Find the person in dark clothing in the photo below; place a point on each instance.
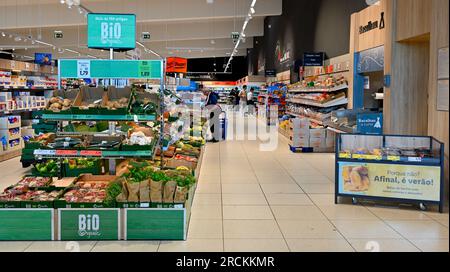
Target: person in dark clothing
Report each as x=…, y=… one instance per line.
x=235, y=94
x=214, y=111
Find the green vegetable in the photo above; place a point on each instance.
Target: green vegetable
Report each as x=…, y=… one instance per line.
x=112, y=191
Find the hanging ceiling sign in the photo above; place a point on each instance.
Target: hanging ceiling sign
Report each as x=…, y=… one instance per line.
x=116, y=31
x=176, y=65
x=148, y=69
x=313, y=59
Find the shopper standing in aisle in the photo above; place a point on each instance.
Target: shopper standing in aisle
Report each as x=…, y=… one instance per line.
x=243, y=99
x=235, y=96
x=213, y=110
x=250, y=101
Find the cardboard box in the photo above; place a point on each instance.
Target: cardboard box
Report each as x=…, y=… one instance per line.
x=299, y=141
x=304, y=133
x=317, y=142
x=318, y=133
x=299, y=123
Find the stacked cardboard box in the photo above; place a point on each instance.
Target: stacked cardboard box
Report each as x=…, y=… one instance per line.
x=301, y=135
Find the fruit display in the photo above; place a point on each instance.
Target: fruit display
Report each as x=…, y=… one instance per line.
x=44, y=139
x=188, y=149
x=49, y=167
x=118, y=104
x=57, y=104
x=80, y=163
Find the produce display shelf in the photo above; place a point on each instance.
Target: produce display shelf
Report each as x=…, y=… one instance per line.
x=332, y=103
x=339, y=129
x=82, y=117
x=26, y=88
x=45, y=153
x=19, y=111
x=320, y=89
x=325, y=74
x=303, y=116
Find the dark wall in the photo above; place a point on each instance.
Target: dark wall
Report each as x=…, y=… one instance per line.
x=209, y=66
x=304, y=26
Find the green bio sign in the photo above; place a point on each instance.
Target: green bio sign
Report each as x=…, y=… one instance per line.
x=26, y=224
x=145, y=69
x=89, y=224
x=117, y=31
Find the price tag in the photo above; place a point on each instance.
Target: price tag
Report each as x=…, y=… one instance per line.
x=92, y=153
x=66, y=152
x=44, y=152
x=393, y=158
x=135, y=118
x=358, y=156
x=145, y=205
x=84, y=68
x=414, y=159
x=178, y=206
x=66, y=144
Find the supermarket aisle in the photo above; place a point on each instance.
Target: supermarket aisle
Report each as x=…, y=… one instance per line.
x=249, y=200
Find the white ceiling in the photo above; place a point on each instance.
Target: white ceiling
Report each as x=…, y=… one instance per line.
x=185, y=28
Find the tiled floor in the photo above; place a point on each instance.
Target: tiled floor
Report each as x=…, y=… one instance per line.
x=249, y=200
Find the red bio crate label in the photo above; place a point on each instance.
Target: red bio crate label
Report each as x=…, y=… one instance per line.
x=66, y=152
x=93, y=153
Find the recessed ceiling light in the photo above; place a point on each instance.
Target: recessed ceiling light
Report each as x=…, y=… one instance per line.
x=210, y=1
x=3, y=34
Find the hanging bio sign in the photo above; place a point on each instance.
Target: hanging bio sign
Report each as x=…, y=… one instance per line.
x=148, y=69
x=409, y=182
x=117, y=31
x=89, y=224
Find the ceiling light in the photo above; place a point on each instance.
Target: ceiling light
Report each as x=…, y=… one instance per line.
x=210, y=1
x=3, y=34
x=13, y=49
x=10, y=36
x=26, y=48
x=17, y=39
x=243, y=35
x=213, y=42
x=252, y=10
x=253, y=3
x=62, y=1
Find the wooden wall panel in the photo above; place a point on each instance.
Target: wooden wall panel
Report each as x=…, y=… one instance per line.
x=438, y=121
x=413, y=19
x=409, y=89
x=375, y=37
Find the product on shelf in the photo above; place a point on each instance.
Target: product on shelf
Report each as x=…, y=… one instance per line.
x=139, y=138
x=49, y=167
x=57, y=104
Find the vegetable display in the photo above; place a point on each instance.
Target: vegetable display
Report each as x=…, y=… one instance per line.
x=80, y=163
x=47, y=168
